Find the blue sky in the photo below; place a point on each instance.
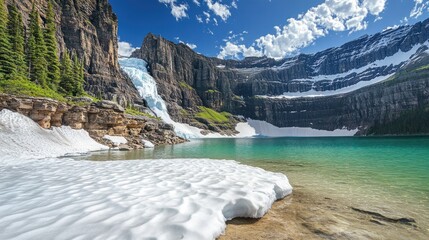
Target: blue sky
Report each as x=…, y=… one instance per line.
x=274, y=28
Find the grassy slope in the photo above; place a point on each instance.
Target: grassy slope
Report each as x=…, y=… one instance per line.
x=212, y=116
x=27, y=88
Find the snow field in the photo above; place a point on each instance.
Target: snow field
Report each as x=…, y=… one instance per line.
x=22, y=138
x=43, y=197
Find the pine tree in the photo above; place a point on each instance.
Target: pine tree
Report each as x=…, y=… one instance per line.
x=51, y=47
x=78, y=76
x=66, y=85
x=16, y=36
x=38, y=67
x=7, y=67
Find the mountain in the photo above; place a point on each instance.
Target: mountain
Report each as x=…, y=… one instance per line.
x=89, y=27
x=372, y=80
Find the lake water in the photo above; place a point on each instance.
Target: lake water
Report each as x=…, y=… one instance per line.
x=388, y=174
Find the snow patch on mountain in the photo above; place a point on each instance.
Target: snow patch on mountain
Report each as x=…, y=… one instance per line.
x=266, y=129
x=370, y=74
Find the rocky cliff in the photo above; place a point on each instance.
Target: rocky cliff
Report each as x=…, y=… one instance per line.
x=187, y=81
x=89, y=27
x=98, y=118
x=248, y=87
x=378, y=105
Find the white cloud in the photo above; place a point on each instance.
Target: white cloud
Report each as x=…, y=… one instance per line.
x=219, y=9
x=177, y=10
x=419, y=7
x=237, y=51
x=318, y=21
x=215, y=21
x=125, y=49
x=191, y=45
x=391, y=27
x=375, y=7
x=233, y=38
x=207, y=15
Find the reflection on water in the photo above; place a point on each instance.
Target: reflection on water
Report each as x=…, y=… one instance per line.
x=391, y=174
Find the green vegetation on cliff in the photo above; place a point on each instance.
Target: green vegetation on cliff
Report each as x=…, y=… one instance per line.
x=36, y=51
x=31, y=66
x=185, y=85
x=28, y=88
x=409, y=123
x=212, y=116
x=135, y=112
x=6, y=58
x=17, y=41
x=51, y=47
x=212, y=91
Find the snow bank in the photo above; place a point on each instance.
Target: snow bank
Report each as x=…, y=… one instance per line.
x=116, y=140
x=245, y=130
x=148, y=144
x=61, y=198
x=22, y=138
x=266, y=129
x=143, y=199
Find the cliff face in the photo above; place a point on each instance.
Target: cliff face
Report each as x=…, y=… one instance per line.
x=99, y=119
x=374, y=105
x=186, y=79
x=90, y=28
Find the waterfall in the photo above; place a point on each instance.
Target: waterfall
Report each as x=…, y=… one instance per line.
x=146, y=85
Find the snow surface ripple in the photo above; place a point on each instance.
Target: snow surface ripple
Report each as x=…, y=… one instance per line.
x=21, y=138
x=55, y=198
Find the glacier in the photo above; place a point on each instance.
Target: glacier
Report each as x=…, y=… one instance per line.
x=43, y=196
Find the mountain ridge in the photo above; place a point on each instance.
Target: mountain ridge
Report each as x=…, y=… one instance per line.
x=187, y=79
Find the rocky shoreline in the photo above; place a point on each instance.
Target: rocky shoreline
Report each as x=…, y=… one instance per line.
x=97, y=118
x=308, y=215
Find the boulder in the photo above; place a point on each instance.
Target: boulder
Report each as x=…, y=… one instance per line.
x=110, y=105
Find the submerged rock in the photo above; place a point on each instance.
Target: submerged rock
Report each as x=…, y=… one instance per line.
x=124, y=147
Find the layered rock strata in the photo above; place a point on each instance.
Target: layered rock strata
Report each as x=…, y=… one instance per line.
x=99, y=119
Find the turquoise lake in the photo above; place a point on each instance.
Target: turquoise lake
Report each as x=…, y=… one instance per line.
x=390, y=174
